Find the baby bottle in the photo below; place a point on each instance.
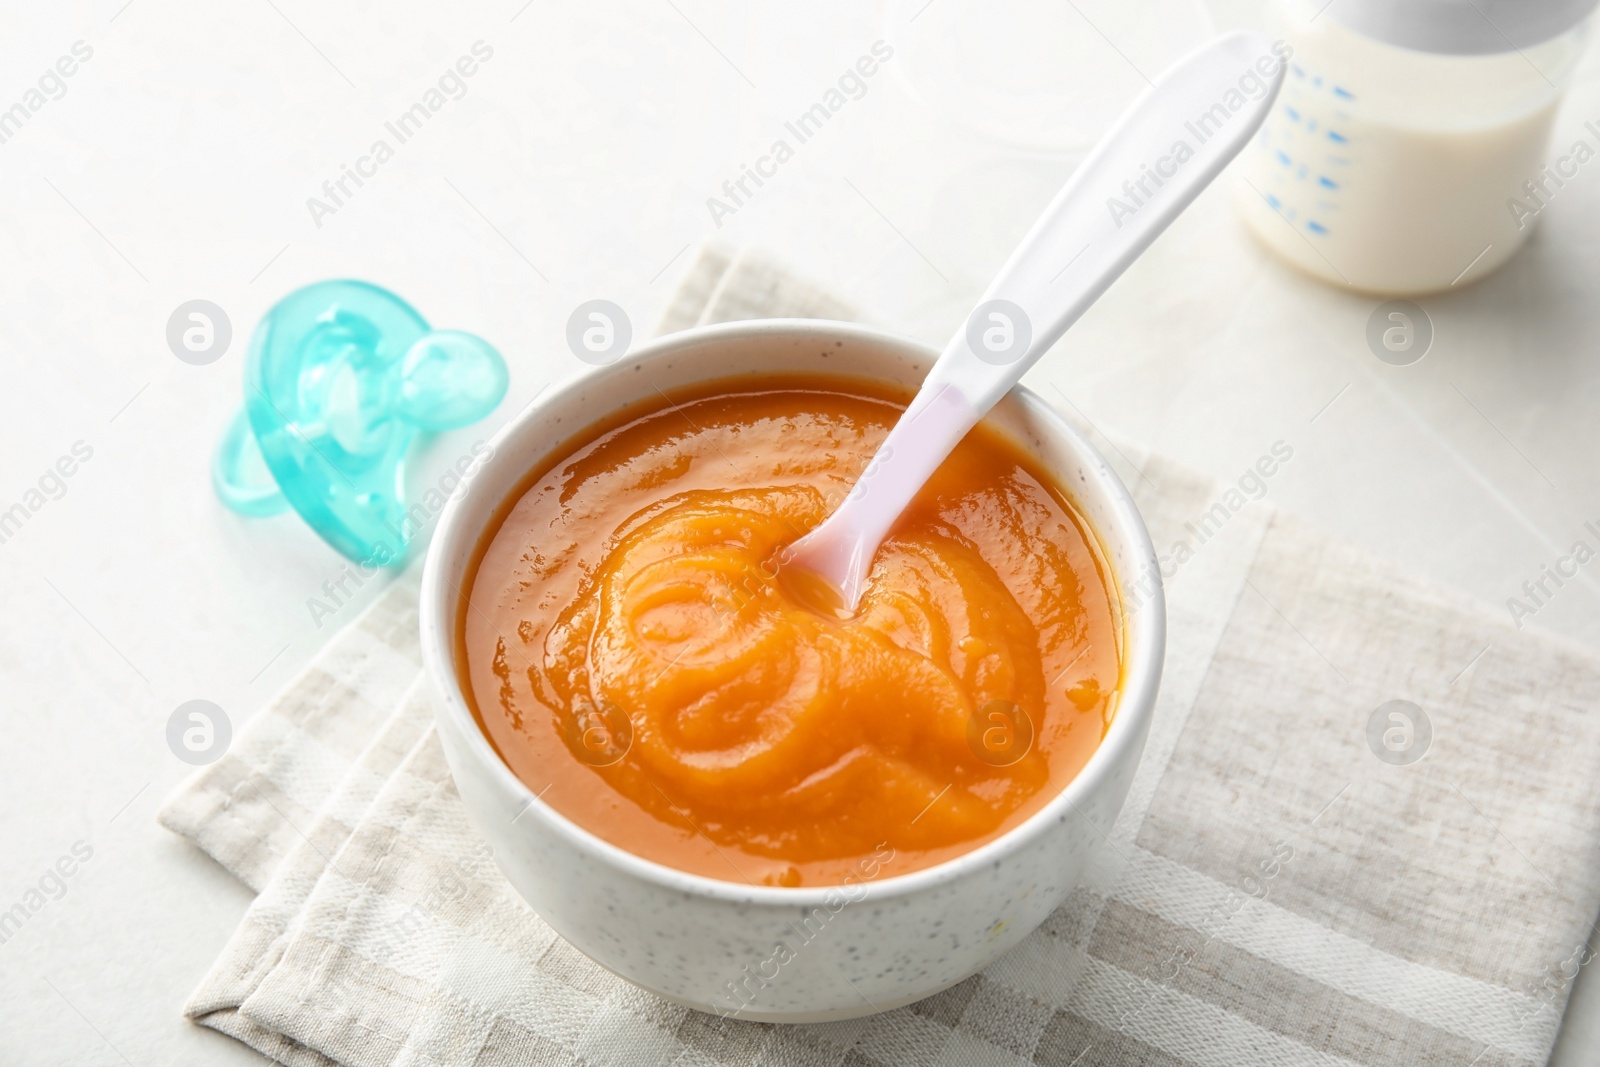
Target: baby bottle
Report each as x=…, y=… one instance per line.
x=1407, y=151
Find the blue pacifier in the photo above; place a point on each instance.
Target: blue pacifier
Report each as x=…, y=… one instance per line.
x=341, y=376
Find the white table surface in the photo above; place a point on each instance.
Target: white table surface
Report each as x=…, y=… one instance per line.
x=177, y=166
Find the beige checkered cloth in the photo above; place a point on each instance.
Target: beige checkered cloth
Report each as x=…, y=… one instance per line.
x=1274, y=893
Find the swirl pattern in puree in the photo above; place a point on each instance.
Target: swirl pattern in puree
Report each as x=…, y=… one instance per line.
x=633, y=657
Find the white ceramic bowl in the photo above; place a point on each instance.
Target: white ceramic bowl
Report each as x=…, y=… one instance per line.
x=766, y=953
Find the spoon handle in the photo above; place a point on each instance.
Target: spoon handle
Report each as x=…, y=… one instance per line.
x=1174, y=139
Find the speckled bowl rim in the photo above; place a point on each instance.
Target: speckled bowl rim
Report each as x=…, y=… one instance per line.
x=466, y=515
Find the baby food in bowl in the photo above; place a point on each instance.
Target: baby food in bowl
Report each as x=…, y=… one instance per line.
x=635, y=655
x=735, y=801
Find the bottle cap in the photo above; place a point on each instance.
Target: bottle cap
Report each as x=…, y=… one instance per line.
x=1460, y=27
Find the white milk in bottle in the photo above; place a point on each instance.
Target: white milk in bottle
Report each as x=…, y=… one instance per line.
x=1407, y=150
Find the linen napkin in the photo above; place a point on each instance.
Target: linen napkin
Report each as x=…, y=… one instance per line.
x=1288, y=883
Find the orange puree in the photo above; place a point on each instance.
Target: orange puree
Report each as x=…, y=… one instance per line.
x=633, y=658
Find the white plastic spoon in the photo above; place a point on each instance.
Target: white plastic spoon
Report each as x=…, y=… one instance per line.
x=1174, y=139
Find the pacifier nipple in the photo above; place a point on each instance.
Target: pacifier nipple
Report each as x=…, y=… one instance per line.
x=450, y=379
